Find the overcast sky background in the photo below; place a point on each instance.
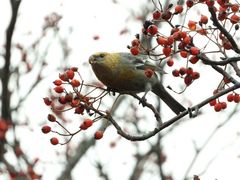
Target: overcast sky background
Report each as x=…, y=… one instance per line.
x=103, y=18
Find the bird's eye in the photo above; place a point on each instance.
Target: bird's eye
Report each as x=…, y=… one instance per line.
x=101, y=55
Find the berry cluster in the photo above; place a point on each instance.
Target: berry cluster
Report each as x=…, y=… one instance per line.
x=179, y=43
x=221, y=105
x=69, y=96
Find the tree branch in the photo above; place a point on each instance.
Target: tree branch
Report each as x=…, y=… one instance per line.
x=171, y=121
x=223, y=30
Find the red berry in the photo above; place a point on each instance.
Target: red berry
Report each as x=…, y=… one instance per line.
x=175, y=73
x=47, y=101
x=63, y=77
x=194, y=50
x=134, y=50
x=236, y=98
x=189, y=71
x=230, y=97
x=70, y=74
x=188, y=80
x=166, y=15
x=152, y=29
x=88, y=122
x=184, y=54
x=203, y=19
x=192, y=25
x=234, y=19
x=227, y=45
x=54, y=141
x=148, y=72
x=195, y=75
x=218, y=107
x=161, y=40
x=222, y=15
x=182, y=71
x=170, y=62
x=75, y=102
x=156, y=14
x=178, y=9
x=202, y=31
x=183, y=34
x=57, y=82
x=62, y=100
x=235, y=7
x=213, y=102
x=210, y=2
x=189, y=3
x=223, y=105
x=79, y=110
x=170, y=40
x=75, y=69
x=59, y=89
x=135, y=42
x=46, y=129
x=75, y=83
x=96, y=37
x=194, y=59
x=51, y=117
x=167, y=51
x=83, y=126
x=69, y=97
x=187, y=40
x=98, y=134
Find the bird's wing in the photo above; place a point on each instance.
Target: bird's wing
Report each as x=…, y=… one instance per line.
x=141, y=62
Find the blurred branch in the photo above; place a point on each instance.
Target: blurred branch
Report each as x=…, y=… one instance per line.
x=5, y=72
x=71, y=163
x=199, y=150
x=6, y=113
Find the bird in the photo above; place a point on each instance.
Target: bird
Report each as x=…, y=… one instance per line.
x=124, y=73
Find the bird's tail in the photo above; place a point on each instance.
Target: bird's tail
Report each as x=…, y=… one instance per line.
x=161, y=92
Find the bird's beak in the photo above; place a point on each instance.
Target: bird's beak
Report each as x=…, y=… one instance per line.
x=91, y=60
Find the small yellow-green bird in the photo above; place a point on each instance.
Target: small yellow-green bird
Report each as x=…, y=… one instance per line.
x=125, y=74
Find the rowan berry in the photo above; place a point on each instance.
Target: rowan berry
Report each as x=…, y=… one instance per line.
x=175, y=73
x=54, y=141
x=134, y=50
x=213, y=102
x=46, y=129
x=88, y=122
x=156, y=14
x=210, y=2
x=188, y=80
x=218, y=107
x=203, y=19
x=152, y=29
x=170, y=62
x=189, y=3
x=51, y=118
x=230, y=97
x=70, y=74
x=57, y=82
x=167, y=51
x=58, y=89
x=178, y=9
x=75, y=83
x=98, y=135
x=47, y=101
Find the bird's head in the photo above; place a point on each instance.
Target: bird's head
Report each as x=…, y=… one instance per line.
x=97, y=57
